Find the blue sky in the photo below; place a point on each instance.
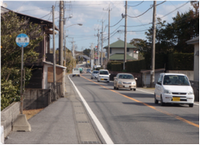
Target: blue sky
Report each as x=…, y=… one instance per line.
x=92, y=13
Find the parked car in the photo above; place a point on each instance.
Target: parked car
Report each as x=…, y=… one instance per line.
x=94, y=74
x=88, y=70
x=125, y=80
x=75, y=72
x=174, y=88
x=103, y=75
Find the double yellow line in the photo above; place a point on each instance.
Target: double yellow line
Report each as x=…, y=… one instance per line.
x=152, y=107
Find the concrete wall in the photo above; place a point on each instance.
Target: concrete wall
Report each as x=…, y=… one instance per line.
x=146, y=76
x=190, y=74
x=37, y=98
x=196, y=62
x=8, y=116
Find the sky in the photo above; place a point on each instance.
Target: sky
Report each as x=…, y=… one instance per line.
x=93, y=14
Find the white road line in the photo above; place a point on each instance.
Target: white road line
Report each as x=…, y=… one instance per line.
x=97, y=122
x=145, y=91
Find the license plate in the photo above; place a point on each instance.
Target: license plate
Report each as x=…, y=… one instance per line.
x=127, y=86
x=102, y=79
x=176, y=98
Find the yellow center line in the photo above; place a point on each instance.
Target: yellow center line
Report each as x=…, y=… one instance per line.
x=152, y=107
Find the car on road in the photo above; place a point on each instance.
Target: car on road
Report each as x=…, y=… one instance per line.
x=125, y=80
x=88, y=70
x=94, y=74
x=75, y=72
x=103, y=75
x=174, y=88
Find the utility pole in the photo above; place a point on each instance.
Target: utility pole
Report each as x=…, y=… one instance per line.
x=102, y=45
x=61, y=32
x=64, y=37
x=98, y=48
x=153, y=46
x=92, y=56
x=125, y=33
x=108, y=51
x=54, y=56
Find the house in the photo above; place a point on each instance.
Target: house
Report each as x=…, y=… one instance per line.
x=42, y=70
x=117, y=51
x=195, y=42
x=195, y=80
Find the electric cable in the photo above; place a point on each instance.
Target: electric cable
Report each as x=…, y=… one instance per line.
x=146, y=11
x=137, y=4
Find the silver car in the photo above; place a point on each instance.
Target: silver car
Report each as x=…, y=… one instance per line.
x=94, y=74
x=125, y=80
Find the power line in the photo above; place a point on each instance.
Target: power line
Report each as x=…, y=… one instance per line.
x=176, y=9
x=117, y=22
x=137, y=4
x=146, y=11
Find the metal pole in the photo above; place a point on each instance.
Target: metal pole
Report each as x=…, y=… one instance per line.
x=102, y=45
x=108, y=53
x=61, y=33
x=98, y=48
x=54, y=56
x=125, y=33
x=22, y=67
x=153, y=46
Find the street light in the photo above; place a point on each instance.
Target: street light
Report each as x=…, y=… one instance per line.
x=74, y=24
x=65, y=39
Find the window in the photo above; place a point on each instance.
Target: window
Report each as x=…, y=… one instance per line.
x=128, y=49
x=104, y=72
x=160, y=79
x=175, y=80
x=110, y=50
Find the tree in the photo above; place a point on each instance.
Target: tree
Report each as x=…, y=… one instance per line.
x=172, y=37
x=11, y=26
x=86, y=52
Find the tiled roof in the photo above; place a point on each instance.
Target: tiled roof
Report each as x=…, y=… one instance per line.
x=120, y=44
x=120, y=56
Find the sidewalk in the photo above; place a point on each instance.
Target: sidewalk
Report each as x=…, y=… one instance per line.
x=57, y=124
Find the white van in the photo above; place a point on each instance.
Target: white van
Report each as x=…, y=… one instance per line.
x=75, y=72
x=174, y=88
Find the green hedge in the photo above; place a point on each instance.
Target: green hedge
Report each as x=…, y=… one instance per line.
x=180, y=61
x=176, y=61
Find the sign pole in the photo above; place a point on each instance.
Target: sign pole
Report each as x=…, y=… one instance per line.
x=22, y=65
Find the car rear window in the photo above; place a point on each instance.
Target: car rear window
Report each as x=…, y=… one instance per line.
x=126, y=77
x=95, y=72
x=175, y=80
x=75, y=69
x=103, y=72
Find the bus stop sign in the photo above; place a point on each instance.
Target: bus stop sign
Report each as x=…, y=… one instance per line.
x=22, y=40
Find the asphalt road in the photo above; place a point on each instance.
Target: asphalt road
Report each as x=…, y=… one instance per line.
x=131, y=117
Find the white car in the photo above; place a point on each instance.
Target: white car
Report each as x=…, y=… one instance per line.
x=125, y=80
x=174, y=88
x=103, y=75
x=94, y=74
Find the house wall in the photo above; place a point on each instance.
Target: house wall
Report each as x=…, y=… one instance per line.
x=146, y=78
x=36, y=78
x=120, y=50
x=196, y=63
x=190, y=74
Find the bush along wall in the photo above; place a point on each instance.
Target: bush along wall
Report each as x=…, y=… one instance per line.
x=175, y=61
x=180, y=61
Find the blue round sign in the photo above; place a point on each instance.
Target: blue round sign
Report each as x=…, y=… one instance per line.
x=22, y=40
